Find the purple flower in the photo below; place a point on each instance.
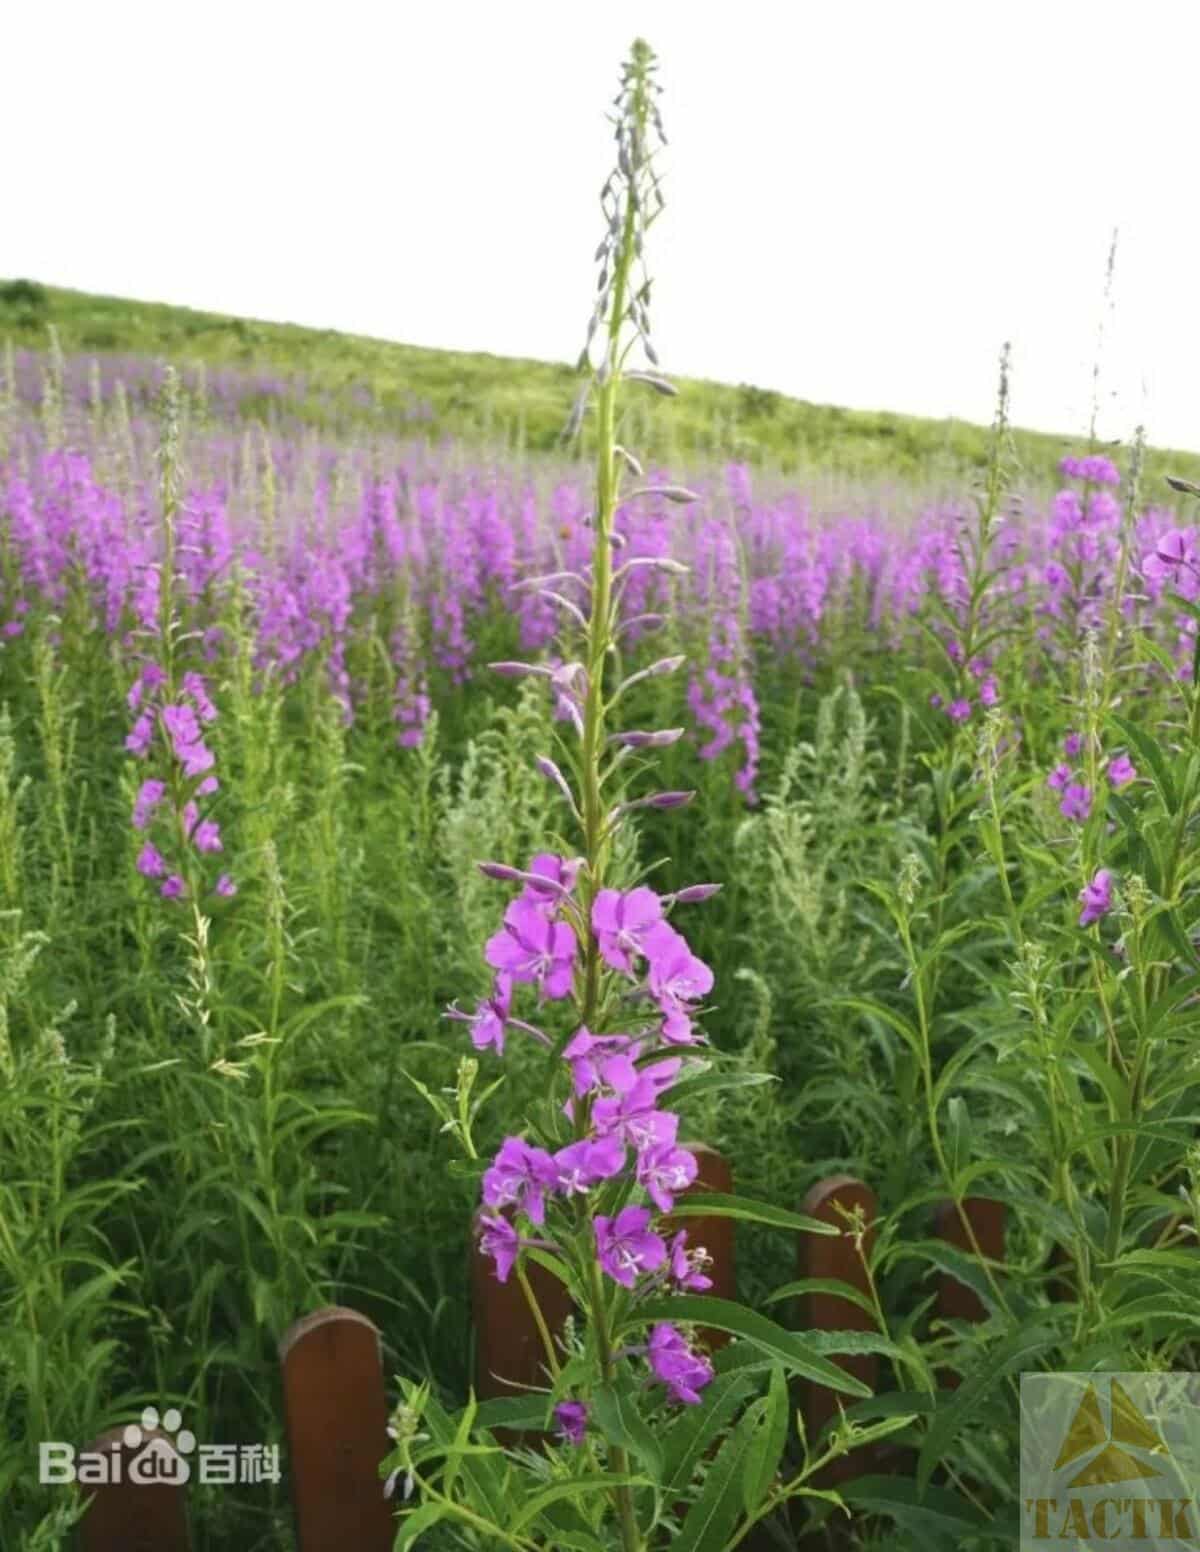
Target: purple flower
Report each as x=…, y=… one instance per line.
x=225, y=885
x=150, y=795
x=207, y=836
x=684, y=1372
x=532, y=949
x=521, y=1175
x=572, y=1420
x=988, y=692
x=1077, y=802
x=677, y=979
x=625, y=1247
x=501, y=1241
x=1096, y=898
x=663, y=1169
x=1121, y=771
x=1059, y=777
x=138, y=741
x=585, y=1051
x=172, y=887
x=621, y=922
x=490, y=1016
x=685, y=1267
x=1072, y=744
x=150, y=862
x=581, y=1165
x=959, y=710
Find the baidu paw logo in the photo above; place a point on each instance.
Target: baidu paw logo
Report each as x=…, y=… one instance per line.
x=159, y=1460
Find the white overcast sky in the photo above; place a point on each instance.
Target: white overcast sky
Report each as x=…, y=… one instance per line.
x=864, y=200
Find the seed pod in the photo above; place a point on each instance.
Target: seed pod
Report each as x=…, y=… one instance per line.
x=652, y=380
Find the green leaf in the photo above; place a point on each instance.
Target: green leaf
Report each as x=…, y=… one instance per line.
x=977, y=1387
x=712, y=1517
x=615, y=1413
x=481, y=1474
x=822, y=1285
x=1148, y=748
x=792, y=1349
x=720, y=1205
x=413, y=1524
x=575, y=1488
x=715, y=1082
x=767, y=1445
x=687, y=1440
x=529, y=1413
x=932, y=1512
x=460, y=1439
x=870, y=1008
x=958, y=1134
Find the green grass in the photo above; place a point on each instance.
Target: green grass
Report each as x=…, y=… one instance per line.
x=480, y=397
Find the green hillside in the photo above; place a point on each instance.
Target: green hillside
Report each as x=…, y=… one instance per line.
x=482, y=397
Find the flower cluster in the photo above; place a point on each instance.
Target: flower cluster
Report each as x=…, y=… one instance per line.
x=166, y=810
x=624, y=1133
x=1076, y=795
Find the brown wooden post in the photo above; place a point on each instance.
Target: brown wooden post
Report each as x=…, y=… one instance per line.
x=336, y=1411
x=955, y=1301
x=1060, y=1285
x=137, y=1515
x=510, y=1356
x=824, y=1257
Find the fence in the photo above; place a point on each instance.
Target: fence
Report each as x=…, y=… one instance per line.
x=336, y=1408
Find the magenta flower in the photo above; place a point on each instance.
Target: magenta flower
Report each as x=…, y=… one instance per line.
x=558, y=871
x=532, y=949
x=621, y=922
x=150, y=795
x=1096, y=898
x=581, y=1165
x=959, y=710
x=585, y=1051
x=625, y=1247
x=173, y=887
x=572, y=1420
x=207, y=836
x=1059, y=777
x=1072, y=744
x=521, y=1175
x=685, y=1266
x=501, y=1241
x=1121, y=771
x=150, y=862
x=1077, y=802
x=664, y=1169
x=677, y=979
x=490, y=1016
x=684, y=1372
x=225, y=886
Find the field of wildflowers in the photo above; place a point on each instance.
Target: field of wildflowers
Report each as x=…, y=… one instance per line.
x=343, y=770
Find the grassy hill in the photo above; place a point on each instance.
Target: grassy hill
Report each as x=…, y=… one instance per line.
x=526, y=403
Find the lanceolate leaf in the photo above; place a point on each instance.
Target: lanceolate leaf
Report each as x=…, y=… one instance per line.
x=767, y=1446
x=712, y=1517
x=790, y=1348
x=719, y=1205
x=616, y=1415
x=979, y=1386
x=689, y=1438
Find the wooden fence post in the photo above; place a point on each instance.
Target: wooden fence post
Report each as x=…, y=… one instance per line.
x=136, y=1515
x=823, y=1257
x=336, y=1411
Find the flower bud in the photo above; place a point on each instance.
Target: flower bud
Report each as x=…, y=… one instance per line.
x=695, y=893
x=517, y=670
x=658, y=740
